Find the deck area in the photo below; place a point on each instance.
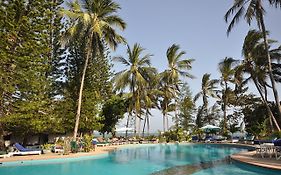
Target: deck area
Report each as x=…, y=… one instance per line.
x=253, y=159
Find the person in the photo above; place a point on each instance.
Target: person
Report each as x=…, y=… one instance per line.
x=94, y=142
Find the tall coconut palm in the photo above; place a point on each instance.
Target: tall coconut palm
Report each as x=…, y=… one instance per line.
x=93, y=22
x=166, y=94
x=253, y=50
x=208, y=89
x=177, y=67
x=253, y=9
x=150, y=98
x=135, y=77
x=227, y=71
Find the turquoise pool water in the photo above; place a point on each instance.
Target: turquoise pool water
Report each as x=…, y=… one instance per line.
x=143, y=160
x=237, y=169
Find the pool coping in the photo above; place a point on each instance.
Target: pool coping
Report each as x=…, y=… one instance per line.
x=249, y=158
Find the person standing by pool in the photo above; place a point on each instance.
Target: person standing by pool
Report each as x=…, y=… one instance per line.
x=94, y=142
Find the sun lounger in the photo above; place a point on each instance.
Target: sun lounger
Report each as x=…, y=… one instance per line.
x=278, y=152
x=208, y=139
x=20, y=150
x=277, y=144
x=260, y=151
x=101, y=142
x=235, y=140
x=57, y=149
x=5, y=155
x=194, y=139
x=248, y=140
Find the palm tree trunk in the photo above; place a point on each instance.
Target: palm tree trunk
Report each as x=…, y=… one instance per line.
x=164, y=119
x=224, y=110
x=139, y=125
x=127, y=123
x=224, y=119
x=80, y=96
x=266, y=105
x=205, y=105
x=135, y=125
x=176, y=114
x=144, y=123
x=167, y=122
x=148, y=124
x=134, y=101
x=138, y=109
x=166, y=116
x=2, y=142
x=176, y=103
x=276, y=96
x=265, y=96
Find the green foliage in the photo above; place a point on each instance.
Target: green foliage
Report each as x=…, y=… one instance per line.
x=276, y=134
x=186, y=107
x=198, y=132
x=26, y=51
x=47, y=146
x=89, y=35
x=113, y=111
x=175, y=135
x=208, y=89
x=66, y=146
x=87, y=142
x=257, y=119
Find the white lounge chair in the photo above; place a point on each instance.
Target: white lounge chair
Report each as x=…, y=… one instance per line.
x=20, y=150
x=278, y=152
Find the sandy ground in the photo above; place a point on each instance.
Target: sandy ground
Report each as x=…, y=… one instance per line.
x=98, y=151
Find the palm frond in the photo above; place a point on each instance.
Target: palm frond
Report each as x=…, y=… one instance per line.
x=116, y=21
x=121, y=59
x=235, y=19
x=276, y=3
x=197, y=96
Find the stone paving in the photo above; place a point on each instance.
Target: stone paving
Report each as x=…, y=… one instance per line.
x=255, y=159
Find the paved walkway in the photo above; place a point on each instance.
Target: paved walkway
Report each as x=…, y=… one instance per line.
x=253, y=159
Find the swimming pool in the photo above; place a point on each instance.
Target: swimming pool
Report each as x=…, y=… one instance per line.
x=142, y=160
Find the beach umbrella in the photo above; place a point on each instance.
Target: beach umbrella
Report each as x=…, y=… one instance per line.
x=209, y=128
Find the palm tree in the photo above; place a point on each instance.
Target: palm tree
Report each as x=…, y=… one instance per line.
x=150, y=98
x=166, y=94
x=208, y=89
x=93, y=22
x=253, y=50
x=227, y=71
x=177, y=67
x=251, y=9
x=136, y=76
x=213, y=114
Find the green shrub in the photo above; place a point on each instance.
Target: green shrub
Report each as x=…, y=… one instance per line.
x=174, y=135
x=87, y=142
x=276, y=134
x=47, y=146
x=66, y=146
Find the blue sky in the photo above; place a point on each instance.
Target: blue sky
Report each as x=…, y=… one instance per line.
x=197, y=26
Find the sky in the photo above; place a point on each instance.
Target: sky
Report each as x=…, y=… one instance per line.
x=199, y=28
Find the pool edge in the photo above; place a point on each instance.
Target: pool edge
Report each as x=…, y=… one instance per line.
x=245, y=157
